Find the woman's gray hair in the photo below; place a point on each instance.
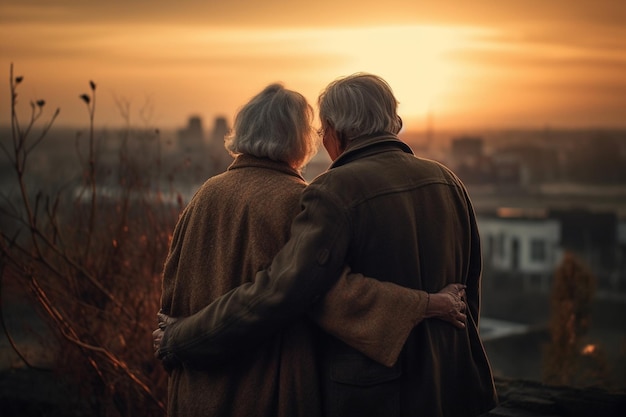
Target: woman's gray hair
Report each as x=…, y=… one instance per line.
x=275, y=124
x=359, y=104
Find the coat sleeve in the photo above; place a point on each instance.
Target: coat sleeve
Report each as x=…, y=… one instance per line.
x=300, y=274
x=372, y=316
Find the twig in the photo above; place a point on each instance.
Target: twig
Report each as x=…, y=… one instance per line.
x=5, y=328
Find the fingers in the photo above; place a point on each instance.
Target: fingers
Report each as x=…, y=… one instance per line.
x=459, y=316
x=157, y=337
x=456, y=296
x=459, y=305
x=459, y=321
x=460, y=288
x=456, y=290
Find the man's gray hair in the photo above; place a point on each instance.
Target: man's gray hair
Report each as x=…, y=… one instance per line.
x=359, y=104
x=275, y=124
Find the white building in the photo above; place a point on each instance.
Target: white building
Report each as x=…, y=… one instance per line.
x=525, y=244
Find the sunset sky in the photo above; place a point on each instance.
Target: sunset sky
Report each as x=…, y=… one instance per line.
x=474, y=64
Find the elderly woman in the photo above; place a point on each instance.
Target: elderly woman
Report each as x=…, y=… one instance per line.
x=232, y=228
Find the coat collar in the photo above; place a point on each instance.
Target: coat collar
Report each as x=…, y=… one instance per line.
x=249, y=161
x=369, y=145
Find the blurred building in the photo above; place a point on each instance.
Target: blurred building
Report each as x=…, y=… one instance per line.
x=201, y=157
x=220, y=157
x=470, y=162
x=191, y=137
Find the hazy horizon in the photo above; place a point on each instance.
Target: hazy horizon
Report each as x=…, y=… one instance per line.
x=413, y=129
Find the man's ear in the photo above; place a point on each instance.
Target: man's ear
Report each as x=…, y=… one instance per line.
x=341, y=139
x=332, y=143
x=399, y=124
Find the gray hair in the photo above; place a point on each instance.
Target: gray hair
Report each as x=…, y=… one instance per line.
x=359, y=104
x=275, y=124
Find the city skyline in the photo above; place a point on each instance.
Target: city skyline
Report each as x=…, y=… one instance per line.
x=486, y=65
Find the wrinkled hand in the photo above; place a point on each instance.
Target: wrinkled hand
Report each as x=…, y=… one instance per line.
x=157, y=336
x=454, y=313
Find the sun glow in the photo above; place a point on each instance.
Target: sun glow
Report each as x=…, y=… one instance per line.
x=418, y=61
x=489, y=66
x=216, y=69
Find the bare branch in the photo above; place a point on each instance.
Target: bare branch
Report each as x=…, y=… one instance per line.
x=4, y=326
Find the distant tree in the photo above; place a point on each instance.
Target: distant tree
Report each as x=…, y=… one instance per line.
x=568, y=358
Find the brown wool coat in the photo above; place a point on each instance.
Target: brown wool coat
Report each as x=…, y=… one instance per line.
x=231, y=229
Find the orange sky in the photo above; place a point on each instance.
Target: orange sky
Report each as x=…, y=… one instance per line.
x=475, y=64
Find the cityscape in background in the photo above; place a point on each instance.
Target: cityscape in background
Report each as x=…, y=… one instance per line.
x=537, y=193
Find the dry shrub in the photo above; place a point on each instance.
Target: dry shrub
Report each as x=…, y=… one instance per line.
x=91, y=257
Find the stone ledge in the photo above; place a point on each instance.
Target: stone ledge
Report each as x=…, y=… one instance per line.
x=519, y=398
x=30, y=393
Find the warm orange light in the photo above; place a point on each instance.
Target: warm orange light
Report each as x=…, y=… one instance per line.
x=517, y=212
x=449, y=67
x=589, y=349
x=416, y=60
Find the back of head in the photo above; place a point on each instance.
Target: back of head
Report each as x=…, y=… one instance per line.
x=275, y=124
x=360, y=104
